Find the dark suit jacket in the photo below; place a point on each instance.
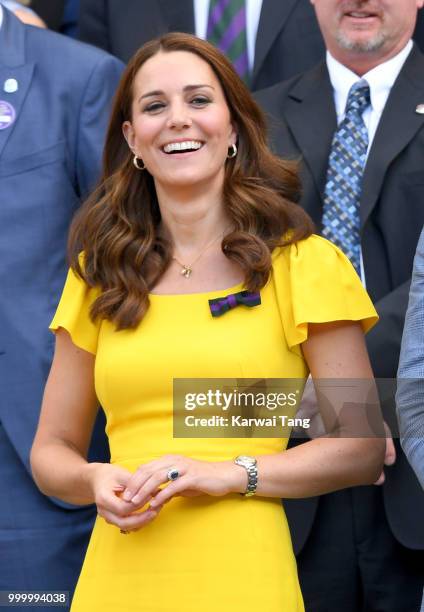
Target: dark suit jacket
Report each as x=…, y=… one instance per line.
x=392, y=215
x=49, y=159
x=419, y=30
x=50, y=12
x=288, y=39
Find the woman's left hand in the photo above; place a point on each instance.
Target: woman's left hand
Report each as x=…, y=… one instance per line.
x=195, y=478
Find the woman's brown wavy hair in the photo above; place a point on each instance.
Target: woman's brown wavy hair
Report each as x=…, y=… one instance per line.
x=117, y=227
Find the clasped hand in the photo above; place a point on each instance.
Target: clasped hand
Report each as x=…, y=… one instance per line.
x=120, y=496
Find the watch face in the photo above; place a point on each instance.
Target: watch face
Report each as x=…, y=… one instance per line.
x=245, y=459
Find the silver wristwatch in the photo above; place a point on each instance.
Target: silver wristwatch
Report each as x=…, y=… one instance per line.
x=250, y=465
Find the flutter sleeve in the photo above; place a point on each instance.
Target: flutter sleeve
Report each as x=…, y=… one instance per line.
x=73, y=313
x=316, y=283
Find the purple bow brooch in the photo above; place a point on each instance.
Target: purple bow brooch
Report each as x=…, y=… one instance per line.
x=221, y=305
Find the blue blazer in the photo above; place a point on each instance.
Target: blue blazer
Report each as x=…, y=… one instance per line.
x=410, y=394
x=55, y=98
x=49, y=159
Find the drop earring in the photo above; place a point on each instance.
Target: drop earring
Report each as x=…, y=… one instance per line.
x=232, y=151
x=135, y=162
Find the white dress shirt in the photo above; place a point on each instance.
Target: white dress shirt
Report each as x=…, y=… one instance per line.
x=381, y=80
x=253, y=13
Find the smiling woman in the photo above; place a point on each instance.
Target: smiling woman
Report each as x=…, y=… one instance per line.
x=194, y=218
x=184, y=116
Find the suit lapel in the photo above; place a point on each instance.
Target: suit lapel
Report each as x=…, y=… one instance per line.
x=23, y=76
x=273, y=18
x=397, y=127
x=178, y=15
x=12, y=40
x=311, y=117
x=13, y=66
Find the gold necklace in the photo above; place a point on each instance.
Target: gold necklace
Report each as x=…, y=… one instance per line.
x=187, y=269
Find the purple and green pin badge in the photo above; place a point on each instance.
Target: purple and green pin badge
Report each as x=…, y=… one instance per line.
x=7, y=115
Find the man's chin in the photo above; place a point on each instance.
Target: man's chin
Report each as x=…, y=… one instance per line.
x=360, y=44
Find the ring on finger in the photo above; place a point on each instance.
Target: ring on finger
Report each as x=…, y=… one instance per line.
x=172, y=474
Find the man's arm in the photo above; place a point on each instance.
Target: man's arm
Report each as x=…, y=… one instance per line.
x=410, y=394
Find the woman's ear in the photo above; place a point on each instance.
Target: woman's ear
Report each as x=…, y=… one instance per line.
x=233, y=134
x=129, y=135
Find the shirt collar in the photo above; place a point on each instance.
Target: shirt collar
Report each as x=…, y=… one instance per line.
x=380, y=79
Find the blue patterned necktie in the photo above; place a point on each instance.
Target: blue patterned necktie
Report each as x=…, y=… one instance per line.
x=340, y=219
x=227, y=31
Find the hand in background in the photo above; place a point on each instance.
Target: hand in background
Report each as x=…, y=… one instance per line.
x=390, y=456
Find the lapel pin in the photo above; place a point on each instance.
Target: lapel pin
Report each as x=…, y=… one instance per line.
x=10, y=85
x=420, y=109
x=7, y=114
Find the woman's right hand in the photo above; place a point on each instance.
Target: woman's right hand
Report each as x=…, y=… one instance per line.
x=107, y=482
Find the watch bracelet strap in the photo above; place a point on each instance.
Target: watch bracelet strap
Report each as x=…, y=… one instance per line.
x=252, y=480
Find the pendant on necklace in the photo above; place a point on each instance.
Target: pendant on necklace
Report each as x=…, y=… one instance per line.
x=186, y=271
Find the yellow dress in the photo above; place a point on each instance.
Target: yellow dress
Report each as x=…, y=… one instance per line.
x=203, y=554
